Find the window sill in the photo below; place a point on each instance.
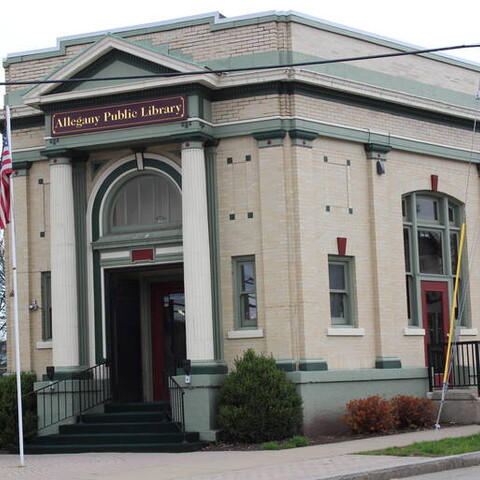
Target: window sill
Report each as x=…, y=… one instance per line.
x=345, y=332
x=468, y=332
x=414, y=332
x=44, y=345
x=234, y=334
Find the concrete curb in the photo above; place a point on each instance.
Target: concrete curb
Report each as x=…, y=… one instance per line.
x=433, y=465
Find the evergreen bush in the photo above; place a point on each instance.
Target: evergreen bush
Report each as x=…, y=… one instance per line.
x=258, y=403
x=9, y=411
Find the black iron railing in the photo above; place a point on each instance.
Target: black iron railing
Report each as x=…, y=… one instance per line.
x=177, y=406
x=465, y=366
x=72, y=396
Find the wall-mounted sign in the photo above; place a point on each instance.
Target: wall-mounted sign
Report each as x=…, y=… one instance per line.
x=122, y=115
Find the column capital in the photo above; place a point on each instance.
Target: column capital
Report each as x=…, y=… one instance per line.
x=192, y=144
x=57, y=152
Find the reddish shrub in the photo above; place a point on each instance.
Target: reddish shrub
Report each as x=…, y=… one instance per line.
x=371, y=415
x=413, y=412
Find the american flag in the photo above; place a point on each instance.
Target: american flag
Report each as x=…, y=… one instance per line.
x=5, y=172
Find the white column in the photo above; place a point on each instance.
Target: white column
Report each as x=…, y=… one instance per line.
x=63, y=265
x=196, y=254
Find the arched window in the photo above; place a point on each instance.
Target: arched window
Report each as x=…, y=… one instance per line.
x=431, y=231
x=145, y=202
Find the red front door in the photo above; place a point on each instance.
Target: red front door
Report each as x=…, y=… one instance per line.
x=168, y=333
x=435, y=312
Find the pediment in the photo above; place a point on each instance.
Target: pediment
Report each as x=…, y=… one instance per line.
x=117, y=60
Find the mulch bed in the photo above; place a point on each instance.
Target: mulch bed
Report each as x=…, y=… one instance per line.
x=317, y=440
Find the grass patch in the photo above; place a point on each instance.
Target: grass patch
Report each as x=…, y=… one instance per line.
x=270, y=446
x=293, y=442
x=438, y=448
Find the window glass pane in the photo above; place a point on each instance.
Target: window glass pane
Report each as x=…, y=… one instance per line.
x=147, y=200
x=249, y=307
x=406, y=209
x=336, y=273
x=246, y=297
x=454, y=251
x=427, y=209
x=46, y=284
x=430, y=251
x=406, y=248
x=409, y=285
x=451, y=215
x=132, y=204
x=337, y=305
x=247, y=272
x=119, y=211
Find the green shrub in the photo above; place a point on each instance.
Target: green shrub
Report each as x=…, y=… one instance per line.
x=371, y=415
x=270, y=446
x=258, y=403
x=413, y=412
x=9, y=411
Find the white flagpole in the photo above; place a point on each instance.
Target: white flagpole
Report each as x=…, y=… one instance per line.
x=13, y=254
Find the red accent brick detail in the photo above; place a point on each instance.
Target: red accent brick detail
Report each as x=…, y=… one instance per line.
x=142, y=255
x=434, y=182
x=342, y=245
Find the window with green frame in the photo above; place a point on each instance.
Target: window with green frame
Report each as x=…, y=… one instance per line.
x=146, y=201
x=245, y=283
x=46, y=284
x=431, y=231
x=340, y=277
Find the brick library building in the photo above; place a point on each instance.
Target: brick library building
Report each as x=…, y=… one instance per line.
x=189, y=189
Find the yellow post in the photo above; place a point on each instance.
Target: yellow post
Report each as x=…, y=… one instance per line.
x=454, y=303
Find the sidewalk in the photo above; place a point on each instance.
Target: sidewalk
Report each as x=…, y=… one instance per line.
x=332, y=461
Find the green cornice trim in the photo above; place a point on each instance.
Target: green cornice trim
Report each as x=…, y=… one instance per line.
x=218, y=22
x=162, y=135
x=21, y=168
x=57, y=153
x=302, y=134
x=29, y=156
x=272, y=138
x=388, y=362
x=376, y=151
x=270, y=135
x=302, y=138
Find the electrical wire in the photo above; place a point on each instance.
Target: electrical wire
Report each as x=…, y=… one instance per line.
x=240, y=69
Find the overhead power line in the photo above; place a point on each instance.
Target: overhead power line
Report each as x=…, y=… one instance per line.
x=242, y=69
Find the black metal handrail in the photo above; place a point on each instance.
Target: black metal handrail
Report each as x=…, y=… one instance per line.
x=465, y=369
x=177, y=405
x=72, y=396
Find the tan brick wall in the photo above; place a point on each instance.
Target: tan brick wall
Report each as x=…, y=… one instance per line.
x=331, y=45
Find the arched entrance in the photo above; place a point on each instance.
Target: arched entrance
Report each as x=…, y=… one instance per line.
x=137, y=275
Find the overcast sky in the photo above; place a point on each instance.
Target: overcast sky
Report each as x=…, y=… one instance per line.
x=33, y=24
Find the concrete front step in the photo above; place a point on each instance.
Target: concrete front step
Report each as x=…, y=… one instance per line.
x=122, y=428
x=116, y=438
x=137, y=407
x=124, y=417
x=32, y=449
x=128, y=427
